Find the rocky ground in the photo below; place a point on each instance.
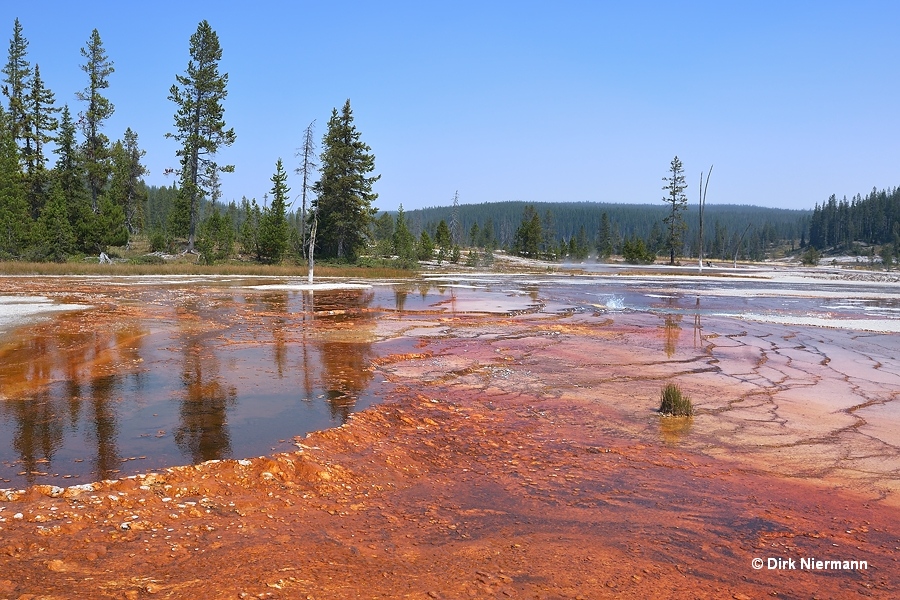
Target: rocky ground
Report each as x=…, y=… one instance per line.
x=508, y=462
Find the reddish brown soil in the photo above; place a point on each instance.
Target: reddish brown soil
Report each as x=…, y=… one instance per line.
x=494, y=471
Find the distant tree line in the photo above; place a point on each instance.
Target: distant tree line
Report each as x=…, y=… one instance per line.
x=578, y=230
x=846, y=226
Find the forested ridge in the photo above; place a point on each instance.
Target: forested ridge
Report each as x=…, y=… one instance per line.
x=563, y=222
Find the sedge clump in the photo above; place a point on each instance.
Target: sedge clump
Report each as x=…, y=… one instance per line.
x=673, y=402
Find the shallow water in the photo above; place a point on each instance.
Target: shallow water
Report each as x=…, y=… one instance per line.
x=154, y=372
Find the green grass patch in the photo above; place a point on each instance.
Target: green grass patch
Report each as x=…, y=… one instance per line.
x=673, y=402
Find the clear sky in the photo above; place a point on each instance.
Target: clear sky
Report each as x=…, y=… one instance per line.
x=518, y=100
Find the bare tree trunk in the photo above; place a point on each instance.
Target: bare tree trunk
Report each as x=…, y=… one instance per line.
x=312, y=248
x=305, y=169
x=740, y=242
x=702, y=207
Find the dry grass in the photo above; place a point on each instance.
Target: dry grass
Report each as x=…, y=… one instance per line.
x=186, y=267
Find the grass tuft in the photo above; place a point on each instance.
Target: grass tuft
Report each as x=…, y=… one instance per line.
x=673, y=402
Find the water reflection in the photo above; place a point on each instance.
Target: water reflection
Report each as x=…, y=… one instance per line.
x=203, y=431
x=56, y=383
x=277, y=305
x=698, y=330
x=672, y=331
x=673, y=429
x=345, y=356
x=400, y=294
x=195, y=375
x=103, y=417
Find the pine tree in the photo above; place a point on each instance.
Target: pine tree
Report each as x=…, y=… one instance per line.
x=675, y=197
x=344, y=192
x=15, y=221
x=425, y=249
x=529, y=235
x=41, y=123
x=96, y=145
x=443, y=237
x=126, y=186
x=404, y=242
x=215, y=237
x=200, y=126
x=249, y=233
x=384, y=234
x=16, y=83
x=604, y=241
x=54, y=233
x=273, y=227
x=41, y=117
x=67, y=173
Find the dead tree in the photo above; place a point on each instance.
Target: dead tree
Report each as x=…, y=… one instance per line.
x=308, y=164
x=702, y=191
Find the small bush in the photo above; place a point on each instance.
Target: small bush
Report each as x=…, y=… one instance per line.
x=673, y=402
x=160, y=241
x=811, y=257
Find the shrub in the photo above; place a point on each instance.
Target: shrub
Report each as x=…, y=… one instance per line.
x=636, y=252
x=673, y=402
x=811, y=257
x=160, y=241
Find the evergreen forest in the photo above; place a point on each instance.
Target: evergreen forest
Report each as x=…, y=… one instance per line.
x=68, y=192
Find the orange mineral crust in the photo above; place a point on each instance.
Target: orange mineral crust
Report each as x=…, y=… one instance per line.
x=514, y=454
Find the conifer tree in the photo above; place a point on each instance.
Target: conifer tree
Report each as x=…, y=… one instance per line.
x=528, y=236
x=273, y=227
x=384, y=234
x=404, y=242
x=67, y=173
x=41, y=115
x=425, y=249
x=249, y=233
x=675, y=197
x=215, y=237
x=17, y=79
x=54, y=233
x=344, y=192
x=41, y=123
x=96, y=145
x=126, y=186
x=200, y=127
x=604, y=241
x=15, y=221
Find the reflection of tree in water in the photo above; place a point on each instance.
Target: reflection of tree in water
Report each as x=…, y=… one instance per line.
x=39, y=432
x=345, y=374
x=400, y=298
x=102, y=391
x=346, y=363
x=277, y=305
x=203, y=430
x=673, y=331
x=698, y=330
x=80, y=359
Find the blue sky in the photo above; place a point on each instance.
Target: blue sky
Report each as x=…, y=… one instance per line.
x=532, y=101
